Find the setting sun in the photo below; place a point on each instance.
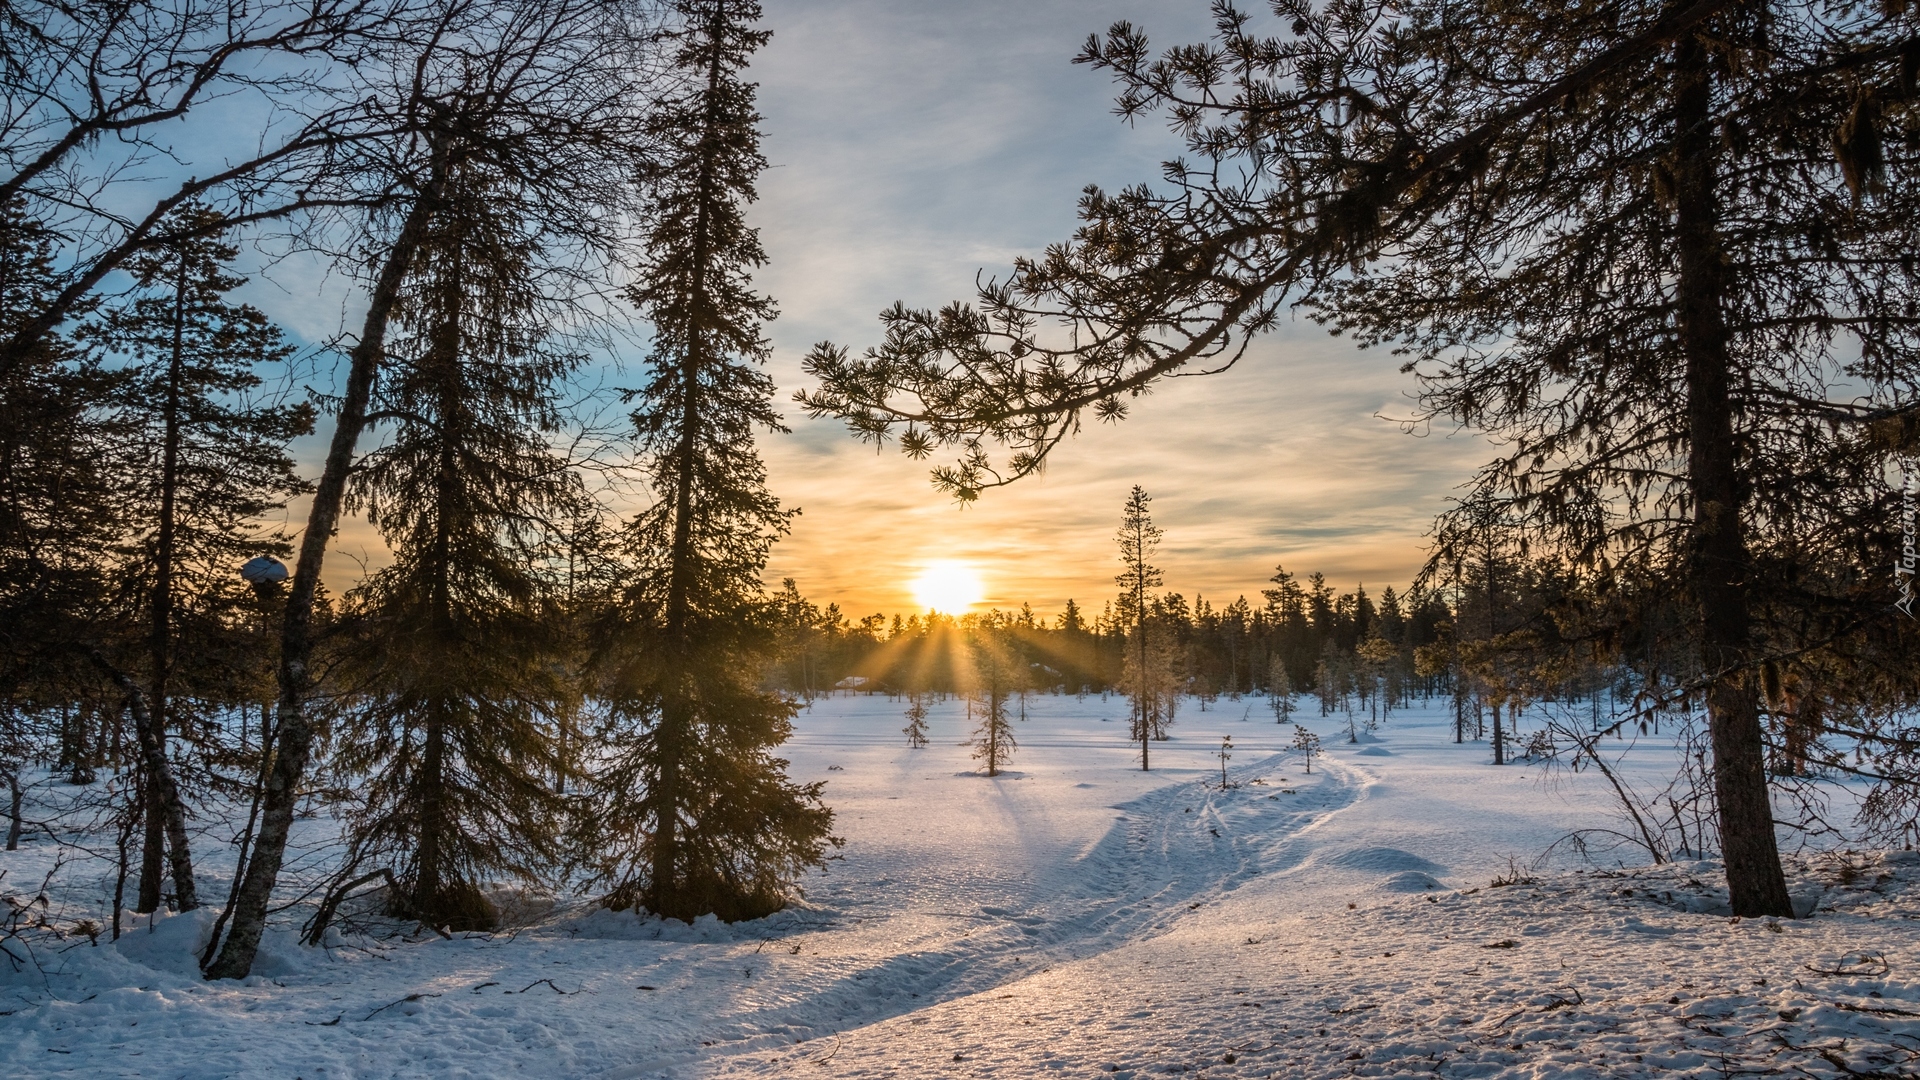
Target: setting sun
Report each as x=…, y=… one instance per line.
x=948, y=586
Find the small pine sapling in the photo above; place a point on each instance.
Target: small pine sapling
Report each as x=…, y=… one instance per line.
x=916, y=729
x=994, y=669
x=1307, y=744
x=1225, y=754
x=1279, y=691
x=993, y=738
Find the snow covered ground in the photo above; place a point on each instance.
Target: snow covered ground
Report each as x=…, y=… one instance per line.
x=1076, y=917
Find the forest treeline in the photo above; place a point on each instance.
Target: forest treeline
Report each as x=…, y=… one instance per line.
x=1299, y=637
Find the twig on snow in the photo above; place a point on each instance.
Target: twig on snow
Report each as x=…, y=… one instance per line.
x=1558, y=1002
x=1869, y=965
x=391, y=1004
x=1876, y=1009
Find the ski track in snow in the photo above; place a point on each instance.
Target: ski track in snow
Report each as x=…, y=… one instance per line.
x=1074, y=916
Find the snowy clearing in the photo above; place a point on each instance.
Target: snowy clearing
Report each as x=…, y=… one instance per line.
x=1076, y=917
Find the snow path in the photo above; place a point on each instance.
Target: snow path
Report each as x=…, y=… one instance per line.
x=971, y=882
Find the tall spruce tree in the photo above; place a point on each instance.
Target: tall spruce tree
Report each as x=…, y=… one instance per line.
x=57, y=510
x=68, y=518
x=1686, y=266
x=209, y=461
x=1150, y=674
x=454, y=655
x=701, y=817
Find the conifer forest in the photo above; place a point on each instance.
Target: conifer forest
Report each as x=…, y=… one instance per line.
x=1418, y=574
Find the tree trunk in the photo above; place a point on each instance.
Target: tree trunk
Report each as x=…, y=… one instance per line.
x=163, y=795
x=153, y=815
x=75, y=755
x=293, y=733
x=14, y=799
x=120, y=872
x=1459, y=706
x=1140, y=613
x=427, y=884
x=443, y=358
x=160, y=604
x=115, y=734
x=245, y=847
x=1720, y=562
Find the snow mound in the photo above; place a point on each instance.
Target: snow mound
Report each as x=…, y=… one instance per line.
x=1385, y=859
x=1411, y=881
x=1373, y=751
x=167, y=942
x=606, y=924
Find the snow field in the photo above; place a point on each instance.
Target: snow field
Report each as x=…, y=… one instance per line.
x=1074, y=916
x=1579, y=975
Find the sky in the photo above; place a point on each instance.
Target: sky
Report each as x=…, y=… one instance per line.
x=913, y=146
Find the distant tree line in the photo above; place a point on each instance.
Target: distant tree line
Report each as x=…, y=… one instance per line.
x=1227, y=651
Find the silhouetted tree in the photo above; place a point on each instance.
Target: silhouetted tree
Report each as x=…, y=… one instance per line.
x=545, y=93
x=444, y=734
x=701, y=816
